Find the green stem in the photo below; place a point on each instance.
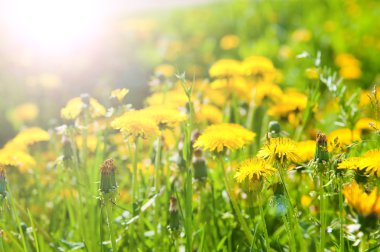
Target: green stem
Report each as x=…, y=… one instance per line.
x=262, y=214
x=110, y=222
x=135, y=184
x=322, y=212
x=157, y=167
x=290, y=213
x=341, y=233
x=235, y=206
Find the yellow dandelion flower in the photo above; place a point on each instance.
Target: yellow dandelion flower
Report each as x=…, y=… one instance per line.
x=119, y=93
x=312, y=73
x=173, y=98
x=25, y=112
x=165, y=69
x=301, y=35
x=350, y=72
x=365, y=204
x=29, y=136
x=224, y=136
x=229, y=42
x=306, y=200
x=290, y=101
x=371, y=162
x=164, y=116
x=280, y=149
x=136, y=124
x=259, y=67
x=238, y=85
x=351, y=163
x=16, y=158
x=367, y=124
x=344, y=136
x=306, y=150
x=75, y=106
x=265, y=91
x=253, y=169
x=208, y=113
x=225, y=68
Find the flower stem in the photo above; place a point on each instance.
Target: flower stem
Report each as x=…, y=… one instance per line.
x=322, y=212
x=157, y=167
x=110, y=222
x=341, y=234
x=262, y=214
x=235, y=206
x=293, y=244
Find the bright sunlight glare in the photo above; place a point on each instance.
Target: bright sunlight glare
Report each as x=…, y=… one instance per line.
x=55, y=26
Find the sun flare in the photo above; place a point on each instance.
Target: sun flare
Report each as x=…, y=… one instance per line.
x=55, y=26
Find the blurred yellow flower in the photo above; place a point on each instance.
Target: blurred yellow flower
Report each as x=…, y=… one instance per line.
x=237, y=85
x=264, y=91
x=259, y=67
x=24, y=112
x=75, y=106
x=165, y=69
x=344, y=136
x=136, y=124
x=29, y=136
x=229, y=42
x=312, y=73
x=164, y=116
x=365, y=204
x=119, y=94
x=306, y=150
x=175, y=98
x=208, y=113
x=367, y=124
x=253, y=169
x=349, y=66
x=301, y=35
x=225, y=68
x=290, y=101
x=224, y=136
x=280, y=149
x=306, y=200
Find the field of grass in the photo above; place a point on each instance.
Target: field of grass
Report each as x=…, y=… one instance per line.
x=260, y=132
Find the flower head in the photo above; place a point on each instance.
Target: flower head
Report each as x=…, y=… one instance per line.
x=76, y=106
x=254, y=169
x=136, y=124
x=119, y=94
x=280, y=149
x=365, y=204
x=225, y=68
x=370, y=163
x=164, y=116
x=224, y=136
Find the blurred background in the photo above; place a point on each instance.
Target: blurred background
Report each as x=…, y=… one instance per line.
x=52, y=51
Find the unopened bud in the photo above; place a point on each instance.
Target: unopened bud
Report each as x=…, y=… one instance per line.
x=274, y=129
x=321, y=152
x=174, y=223
x=200, y=166
x=107, y=177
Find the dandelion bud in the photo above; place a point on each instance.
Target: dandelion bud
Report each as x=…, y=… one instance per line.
x=174, y=223
x=3, y=182
x=68, y=153
x=274, y=129
x=107, y=177
x=321, y=153
x=200, y=166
